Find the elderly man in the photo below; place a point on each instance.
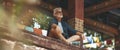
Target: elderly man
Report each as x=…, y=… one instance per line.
x=61, y=30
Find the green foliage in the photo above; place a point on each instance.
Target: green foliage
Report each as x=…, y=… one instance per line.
x=43, y=20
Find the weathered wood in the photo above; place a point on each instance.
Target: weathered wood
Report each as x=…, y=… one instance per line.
x=50, y=43
x=40, y=41
x=96, y=9
x=102, y=7
x=76, y=9
x=101, y=27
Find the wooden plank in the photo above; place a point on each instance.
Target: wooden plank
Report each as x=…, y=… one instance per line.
x=51, y=43
x=40, y=41
x=102, y=7
x=101, y=26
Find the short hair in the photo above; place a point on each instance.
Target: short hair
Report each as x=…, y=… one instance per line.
x=57, y=9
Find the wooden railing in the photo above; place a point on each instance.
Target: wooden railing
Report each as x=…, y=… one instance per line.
x=40, y=41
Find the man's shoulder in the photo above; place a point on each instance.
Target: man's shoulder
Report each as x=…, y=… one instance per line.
x=53, y=20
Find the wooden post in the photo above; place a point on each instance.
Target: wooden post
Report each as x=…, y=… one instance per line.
x=76, y=15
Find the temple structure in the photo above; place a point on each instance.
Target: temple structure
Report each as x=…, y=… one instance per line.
x=24, y=24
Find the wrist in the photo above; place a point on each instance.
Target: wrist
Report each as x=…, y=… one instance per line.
x=78, y=33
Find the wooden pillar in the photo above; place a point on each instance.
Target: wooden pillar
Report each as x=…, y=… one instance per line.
x=76, y=14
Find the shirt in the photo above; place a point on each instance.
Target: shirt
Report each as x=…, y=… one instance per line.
x=60, y=25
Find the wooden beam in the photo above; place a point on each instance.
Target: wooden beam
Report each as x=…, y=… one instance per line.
x=40, y=41
x=96, y=9
x=102, y=7
x=76, y=12
x=101, y=27
x=76, y=9
x=50, y=43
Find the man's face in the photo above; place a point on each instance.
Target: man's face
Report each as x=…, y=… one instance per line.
x=58, y=14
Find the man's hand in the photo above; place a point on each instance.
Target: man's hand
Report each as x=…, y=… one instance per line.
x=80, y=34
